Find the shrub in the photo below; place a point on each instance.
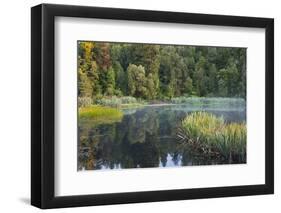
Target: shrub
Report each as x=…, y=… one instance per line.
x=128, y=100
x=115, y=101
x=84, y=101
x=112, y=101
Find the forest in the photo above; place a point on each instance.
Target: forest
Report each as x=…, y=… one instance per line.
x=159, y=72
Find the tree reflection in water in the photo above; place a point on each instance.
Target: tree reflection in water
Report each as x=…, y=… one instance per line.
x=145, y=138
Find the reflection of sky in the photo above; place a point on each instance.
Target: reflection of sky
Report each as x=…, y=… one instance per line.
x=116, y=166
x=170, y=162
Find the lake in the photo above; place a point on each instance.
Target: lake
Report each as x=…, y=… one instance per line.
x=147, y=137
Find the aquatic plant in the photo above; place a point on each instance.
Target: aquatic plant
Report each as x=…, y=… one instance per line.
x=100, y=114
x=212, y=135
x=232, y=140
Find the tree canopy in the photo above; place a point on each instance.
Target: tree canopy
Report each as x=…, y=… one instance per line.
x=151, y=71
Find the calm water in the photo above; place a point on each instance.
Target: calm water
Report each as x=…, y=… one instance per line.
x=147, y=137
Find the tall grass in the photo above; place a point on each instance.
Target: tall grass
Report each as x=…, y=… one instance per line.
x=100, y=114
x=213, y=136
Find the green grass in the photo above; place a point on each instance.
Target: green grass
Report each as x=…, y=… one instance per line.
x=213, y=136
x=100, y=114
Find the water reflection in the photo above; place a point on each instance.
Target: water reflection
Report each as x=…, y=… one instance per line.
x=146, y=137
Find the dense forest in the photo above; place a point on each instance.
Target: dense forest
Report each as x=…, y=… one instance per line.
x=150, y=72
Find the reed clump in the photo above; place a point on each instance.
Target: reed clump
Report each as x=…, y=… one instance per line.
x=213, y=136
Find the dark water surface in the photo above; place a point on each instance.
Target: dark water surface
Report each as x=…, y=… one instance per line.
x=146, y=137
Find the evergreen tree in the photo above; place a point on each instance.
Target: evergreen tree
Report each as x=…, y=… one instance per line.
x=110, y=79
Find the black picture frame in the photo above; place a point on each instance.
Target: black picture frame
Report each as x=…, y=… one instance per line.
x=43, y=102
